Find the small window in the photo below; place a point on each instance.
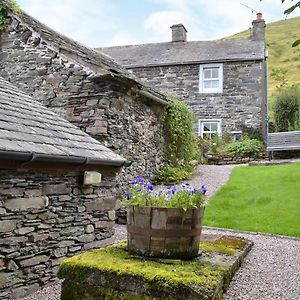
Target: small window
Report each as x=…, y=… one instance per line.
x=208, y=129
x=211, y=78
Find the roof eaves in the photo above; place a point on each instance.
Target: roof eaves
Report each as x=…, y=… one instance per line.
x=192, y=62
x=27, y=158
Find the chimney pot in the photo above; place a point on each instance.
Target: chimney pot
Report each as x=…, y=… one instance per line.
x=178, y=33
x=259, y=16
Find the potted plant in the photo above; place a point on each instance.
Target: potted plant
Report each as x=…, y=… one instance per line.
x=164, y=222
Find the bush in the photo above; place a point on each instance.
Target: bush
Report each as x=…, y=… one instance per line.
x=180, y=136
x=246, y=146
x=286, y=109
x=172, y=174
x=182, y=149
x=252, y=132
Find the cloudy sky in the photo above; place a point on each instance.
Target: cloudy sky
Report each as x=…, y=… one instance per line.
x=120, y=22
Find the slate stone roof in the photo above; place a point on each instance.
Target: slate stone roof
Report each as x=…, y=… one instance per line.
x=95, y=63
x=26, y=126
x=174, y=53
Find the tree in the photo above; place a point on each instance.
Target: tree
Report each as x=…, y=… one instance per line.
x=286, y=109
x=287, y=12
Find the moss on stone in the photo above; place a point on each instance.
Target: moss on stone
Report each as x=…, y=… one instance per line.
x=116, y=274
x=223, y=245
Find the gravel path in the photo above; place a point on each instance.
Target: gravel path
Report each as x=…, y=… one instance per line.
x=270, y=271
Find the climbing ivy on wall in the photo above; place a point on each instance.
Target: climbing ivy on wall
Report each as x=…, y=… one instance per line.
x=180, y=136
x=182, y=149
x=4, y=6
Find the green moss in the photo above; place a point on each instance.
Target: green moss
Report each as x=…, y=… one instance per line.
x=226, y=246
x=114, y=259
x=5, y=6
x=155, y=278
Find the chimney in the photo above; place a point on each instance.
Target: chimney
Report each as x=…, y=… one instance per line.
x=178, y=33
x=258, y=29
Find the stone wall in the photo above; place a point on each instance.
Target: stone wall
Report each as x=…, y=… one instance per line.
x=242, y=100
x=45, y=217
x=107, y=110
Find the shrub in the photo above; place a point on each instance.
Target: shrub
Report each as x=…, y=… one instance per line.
x=172, y=174
x=252, y=132
x=180, y=136
x=286, y=109
x=246, y=146
x=182, y=149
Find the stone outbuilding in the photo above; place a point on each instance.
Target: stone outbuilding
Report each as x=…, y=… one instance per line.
x=57, y=192
x=223, y=81
x=87, y=88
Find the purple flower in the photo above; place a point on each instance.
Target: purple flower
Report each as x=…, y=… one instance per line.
x=149, y=186
x=192, y=190
x=185, y=185
x=128, y=195
x=139, y=180
x=203, y=190
x=173, y=189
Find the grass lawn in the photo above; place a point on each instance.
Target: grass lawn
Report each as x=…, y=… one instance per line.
x=261, y=198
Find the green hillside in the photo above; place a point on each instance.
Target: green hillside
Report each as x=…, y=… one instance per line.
x=280, y=36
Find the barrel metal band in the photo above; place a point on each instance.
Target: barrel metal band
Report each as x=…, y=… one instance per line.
x=163, y=233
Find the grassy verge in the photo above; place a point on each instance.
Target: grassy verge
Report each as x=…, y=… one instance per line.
x=263, y=199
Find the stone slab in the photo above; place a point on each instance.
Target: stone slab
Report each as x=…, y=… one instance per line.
x=113, y=272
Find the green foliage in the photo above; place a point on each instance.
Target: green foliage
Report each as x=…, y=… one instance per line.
x=279, y=75
x=258, y=199
x=182, y=149
x=4, y=6
x=171, y=174
x=180, y=135
x=245, y=146
x=292, y=8
x=286, y=109
x=142, y=194
x=252, y=132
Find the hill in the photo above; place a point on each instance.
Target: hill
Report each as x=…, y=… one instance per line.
x=279, y=37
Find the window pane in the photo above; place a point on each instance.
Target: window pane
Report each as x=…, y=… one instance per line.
x=214, y=83
x=207, y=84
x=214, y=127
x=215, y=73
x=206, y=127
x=207, y=73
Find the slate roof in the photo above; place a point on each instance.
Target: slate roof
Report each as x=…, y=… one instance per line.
x=26, y=126
x=96, y=64
x=175, y=53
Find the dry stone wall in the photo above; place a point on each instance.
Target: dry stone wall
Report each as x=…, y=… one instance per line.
x=107, y=110
x=240, y=103
x=45, y=217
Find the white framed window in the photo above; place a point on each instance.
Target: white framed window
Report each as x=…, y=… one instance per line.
x=211, y=78
x=209, y=128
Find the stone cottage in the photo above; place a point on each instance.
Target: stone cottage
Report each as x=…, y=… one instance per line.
x=224, y=81
x=87, y=88
x=57, y=192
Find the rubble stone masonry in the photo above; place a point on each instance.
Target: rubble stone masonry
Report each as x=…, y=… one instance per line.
x=45, y=217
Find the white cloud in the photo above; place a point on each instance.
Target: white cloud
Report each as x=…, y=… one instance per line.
x=158, y=23
x=121, y=38
x=84, y=23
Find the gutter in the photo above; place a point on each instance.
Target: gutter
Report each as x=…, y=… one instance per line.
x=152, y=97
x=26, y=158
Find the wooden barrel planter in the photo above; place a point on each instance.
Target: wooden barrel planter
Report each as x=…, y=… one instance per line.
x=164, y=232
